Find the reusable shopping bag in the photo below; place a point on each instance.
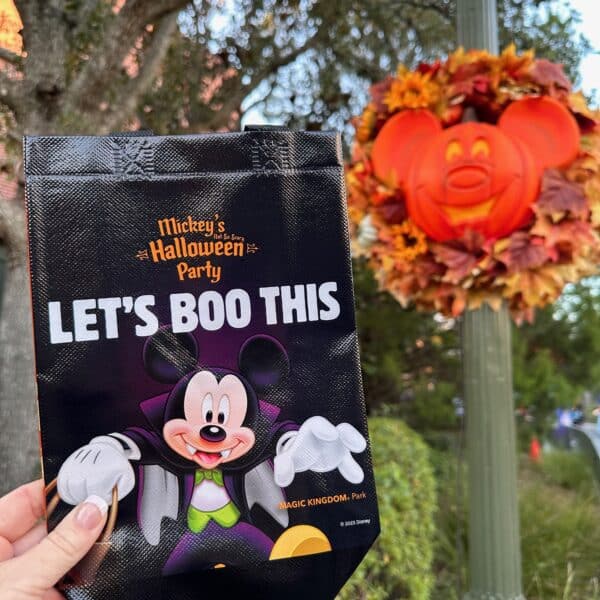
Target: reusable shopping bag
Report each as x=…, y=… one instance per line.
x=197, y=361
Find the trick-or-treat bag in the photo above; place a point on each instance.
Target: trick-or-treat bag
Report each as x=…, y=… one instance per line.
x=197, y=362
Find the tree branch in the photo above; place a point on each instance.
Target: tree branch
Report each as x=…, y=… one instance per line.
x=118, y=39
x=280, y=60
x=256, y=102
x=232, y=92
x=127, y=99
x=157, y=8
x=443, y=11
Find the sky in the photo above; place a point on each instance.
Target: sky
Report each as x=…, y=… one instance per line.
x=590, y=66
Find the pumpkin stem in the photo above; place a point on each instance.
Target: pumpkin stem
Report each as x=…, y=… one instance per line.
x=469, y=114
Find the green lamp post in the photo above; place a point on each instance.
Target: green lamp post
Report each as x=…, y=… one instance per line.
x=494, y=545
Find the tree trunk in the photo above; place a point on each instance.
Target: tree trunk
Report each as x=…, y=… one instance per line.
x=43, y=101
x=18, y=411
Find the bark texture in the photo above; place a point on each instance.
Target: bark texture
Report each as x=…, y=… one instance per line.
x=18, y=413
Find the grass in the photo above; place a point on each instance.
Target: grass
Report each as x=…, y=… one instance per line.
x=560, y=529
x=568, y=470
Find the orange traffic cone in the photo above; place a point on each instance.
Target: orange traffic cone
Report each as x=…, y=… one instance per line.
x=535, y=450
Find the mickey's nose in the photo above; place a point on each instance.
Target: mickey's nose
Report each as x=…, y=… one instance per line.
x=212, y=433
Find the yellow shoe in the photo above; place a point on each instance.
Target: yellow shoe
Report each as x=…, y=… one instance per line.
x=300, y=540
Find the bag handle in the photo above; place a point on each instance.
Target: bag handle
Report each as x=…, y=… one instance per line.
x=85, y=572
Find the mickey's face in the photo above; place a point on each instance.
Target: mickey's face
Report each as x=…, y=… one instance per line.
x=211, y=432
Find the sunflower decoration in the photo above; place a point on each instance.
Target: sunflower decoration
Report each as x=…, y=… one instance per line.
x=411, y=90
x=476, y=180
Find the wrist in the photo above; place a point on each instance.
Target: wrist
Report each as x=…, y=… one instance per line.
x=121, y=442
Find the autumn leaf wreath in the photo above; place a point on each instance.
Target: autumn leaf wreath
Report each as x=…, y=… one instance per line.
x=476, y=180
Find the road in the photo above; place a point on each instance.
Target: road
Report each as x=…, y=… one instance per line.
x=587, y=437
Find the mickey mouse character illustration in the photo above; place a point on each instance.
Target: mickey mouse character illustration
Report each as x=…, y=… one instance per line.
x=211, y=452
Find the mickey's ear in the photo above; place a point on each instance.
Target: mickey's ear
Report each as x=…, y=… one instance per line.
x=169, y=356
x=546, y=127
x=399, y=141
x=263, y=362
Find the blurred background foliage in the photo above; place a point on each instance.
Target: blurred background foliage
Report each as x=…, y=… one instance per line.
x=560, y=528
x=416, y=374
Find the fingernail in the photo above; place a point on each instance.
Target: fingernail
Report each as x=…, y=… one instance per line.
x=91, y=513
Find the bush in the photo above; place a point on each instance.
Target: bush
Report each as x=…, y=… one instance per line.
x=399, y=564
x=450, y=547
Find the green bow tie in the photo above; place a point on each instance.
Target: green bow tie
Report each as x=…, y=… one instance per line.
x=226, y=516
x=214, y=475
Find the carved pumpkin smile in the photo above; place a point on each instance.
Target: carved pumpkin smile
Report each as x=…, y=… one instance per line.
x=458, y=215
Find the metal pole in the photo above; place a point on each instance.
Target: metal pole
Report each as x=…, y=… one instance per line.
x=477, y=24
x=494, y=543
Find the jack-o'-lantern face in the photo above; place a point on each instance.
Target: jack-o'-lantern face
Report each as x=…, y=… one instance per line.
x=474, y=175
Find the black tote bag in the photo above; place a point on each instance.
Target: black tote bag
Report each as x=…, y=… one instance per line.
x=197, y=361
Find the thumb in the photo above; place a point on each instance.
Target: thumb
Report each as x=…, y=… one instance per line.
x=45, y=564
x=283, y=470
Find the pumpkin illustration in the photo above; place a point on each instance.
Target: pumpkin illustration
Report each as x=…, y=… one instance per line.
x=474, y=175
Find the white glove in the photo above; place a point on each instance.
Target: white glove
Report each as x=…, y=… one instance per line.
x=96, y=468
x=321, y=447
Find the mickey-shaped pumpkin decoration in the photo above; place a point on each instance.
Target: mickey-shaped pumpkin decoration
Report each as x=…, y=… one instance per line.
x=476, y=180
x=474, y=175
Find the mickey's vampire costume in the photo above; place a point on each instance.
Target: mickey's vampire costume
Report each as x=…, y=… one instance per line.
x=212, y=450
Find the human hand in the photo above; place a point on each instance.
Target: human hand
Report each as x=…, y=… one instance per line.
x=33, y=561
